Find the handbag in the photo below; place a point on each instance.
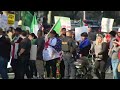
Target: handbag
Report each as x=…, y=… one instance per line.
x=118, y=67
x=119, y=54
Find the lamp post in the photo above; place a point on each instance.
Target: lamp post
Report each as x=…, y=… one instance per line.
x=84, y=15
x=102, y=13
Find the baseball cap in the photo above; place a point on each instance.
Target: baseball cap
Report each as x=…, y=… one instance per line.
x=18, y=29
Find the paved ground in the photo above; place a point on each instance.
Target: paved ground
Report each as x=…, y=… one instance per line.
x=108, y=76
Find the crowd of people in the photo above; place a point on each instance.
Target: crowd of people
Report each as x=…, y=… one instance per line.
x=106, y=53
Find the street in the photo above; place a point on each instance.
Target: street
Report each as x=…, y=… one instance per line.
x=108, y=76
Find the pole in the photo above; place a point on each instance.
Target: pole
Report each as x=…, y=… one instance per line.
x=46, y=37
x=84, y=15
x=53, y=27
x=102, y=13
x=49, y=17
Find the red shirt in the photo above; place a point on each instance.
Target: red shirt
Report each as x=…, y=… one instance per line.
x=108, y=38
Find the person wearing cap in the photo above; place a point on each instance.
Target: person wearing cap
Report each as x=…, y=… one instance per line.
x=99, y=49
x=16, y=39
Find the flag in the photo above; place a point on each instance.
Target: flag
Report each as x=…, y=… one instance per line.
x=57, y=27
x=34, y=26
x=26, y=19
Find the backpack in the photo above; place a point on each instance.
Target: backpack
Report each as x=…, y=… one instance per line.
x=58, y=46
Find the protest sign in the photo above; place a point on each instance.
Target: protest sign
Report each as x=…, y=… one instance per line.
x=65, y=22
x=3, y=21
x=106, y=24
x=78, y=31
x=15, y=25
x=33, y=52
x=11, y=19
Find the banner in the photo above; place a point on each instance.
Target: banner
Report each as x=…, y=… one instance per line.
x=11, y=19
x=65, y=22
x=33, y=52
x=15, y=25
x=78, y=32
x=3, y=21
x=106, y=24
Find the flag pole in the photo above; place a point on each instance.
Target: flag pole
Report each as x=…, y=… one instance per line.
x=46, y=37
x=84, y=15
x=52, y=27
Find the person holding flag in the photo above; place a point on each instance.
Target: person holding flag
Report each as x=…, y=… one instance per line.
x=55, y=43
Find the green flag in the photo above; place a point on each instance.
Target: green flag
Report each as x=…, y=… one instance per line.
x=34, y=26
x=26, y=18
x=57, y=27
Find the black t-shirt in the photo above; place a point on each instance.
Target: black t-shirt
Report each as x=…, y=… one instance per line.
x=5, y=47
x=25, y=44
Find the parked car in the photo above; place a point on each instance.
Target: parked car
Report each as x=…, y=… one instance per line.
x=115, y=28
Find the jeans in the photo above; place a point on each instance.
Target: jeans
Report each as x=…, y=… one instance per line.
x=114, y=66
x=108, y=64
x=69, y=66
x=3, y=67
